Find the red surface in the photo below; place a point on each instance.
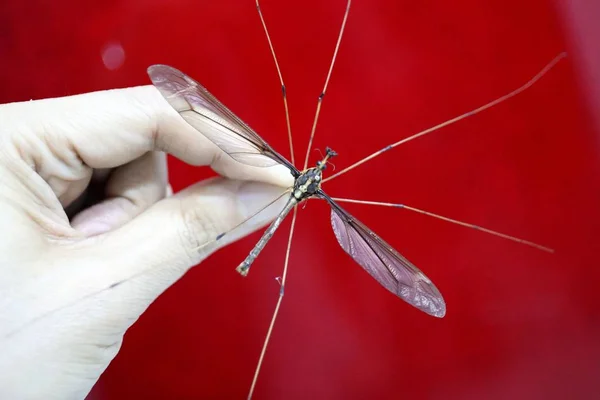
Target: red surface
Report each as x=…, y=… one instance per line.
x=520, y=323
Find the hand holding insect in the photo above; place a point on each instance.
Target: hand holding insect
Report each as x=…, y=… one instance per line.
x=55, y=311
x=55, y=306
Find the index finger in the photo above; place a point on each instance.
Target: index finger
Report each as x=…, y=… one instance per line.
x=113, y=127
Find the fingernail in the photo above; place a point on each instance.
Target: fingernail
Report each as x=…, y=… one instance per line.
x=92, y=228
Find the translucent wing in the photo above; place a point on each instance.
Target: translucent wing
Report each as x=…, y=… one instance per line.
x=385, y=264
x=215, y=121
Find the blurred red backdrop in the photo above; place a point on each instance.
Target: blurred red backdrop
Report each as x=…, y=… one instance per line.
x=521, y=323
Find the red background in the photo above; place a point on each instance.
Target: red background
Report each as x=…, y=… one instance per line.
x=521, y=323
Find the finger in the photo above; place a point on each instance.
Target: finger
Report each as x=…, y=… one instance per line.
x=130, y=190
x=110, y=128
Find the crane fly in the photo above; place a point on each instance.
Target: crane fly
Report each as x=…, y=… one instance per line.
x=210, y=117
x=387, y=266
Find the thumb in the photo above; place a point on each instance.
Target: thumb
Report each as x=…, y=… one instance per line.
x=107, y=281
x=141, y=259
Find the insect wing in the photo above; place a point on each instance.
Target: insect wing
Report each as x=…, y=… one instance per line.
x=385, y=264
x=215, y=121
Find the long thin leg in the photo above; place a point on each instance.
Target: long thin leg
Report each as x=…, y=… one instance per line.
x=456, y=119
x=283, y=90
x=320, y=101
x=115, y=284
x=454, y=221
x=220, y=236
x=281, y=292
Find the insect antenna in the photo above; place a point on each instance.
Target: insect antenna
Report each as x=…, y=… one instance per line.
x=283, y=89
x=454, y=221
x=320, y=100
x=328, y=162
x=499, y=100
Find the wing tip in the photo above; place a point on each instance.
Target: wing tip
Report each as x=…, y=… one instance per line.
x=440, y=313
x=424, y=297
x=434, y=306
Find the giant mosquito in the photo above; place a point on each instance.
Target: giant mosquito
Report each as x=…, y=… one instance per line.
x=215, y=121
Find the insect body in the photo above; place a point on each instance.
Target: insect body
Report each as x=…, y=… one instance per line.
x=306, y=185
x=309, y=182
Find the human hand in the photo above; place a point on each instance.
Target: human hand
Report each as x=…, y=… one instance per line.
x=61, y=321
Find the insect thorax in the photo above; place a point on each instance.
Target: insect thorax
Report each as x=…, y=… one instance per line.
x=307, y=184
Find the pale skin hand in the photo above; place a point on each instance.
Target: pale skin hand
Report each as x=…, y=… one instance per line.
x=59, y=324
